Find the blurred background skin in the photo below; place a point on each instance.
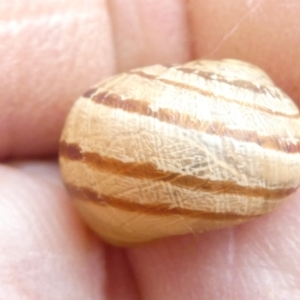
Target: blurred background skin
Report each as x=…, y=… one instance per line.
x=51, y=52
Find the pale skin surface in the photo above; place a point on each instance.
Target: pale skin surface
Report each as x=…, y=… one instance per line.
x=51, y=51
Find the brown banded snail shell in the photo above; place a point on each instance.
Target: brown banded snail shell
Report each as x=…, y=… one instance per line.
x=161, y=151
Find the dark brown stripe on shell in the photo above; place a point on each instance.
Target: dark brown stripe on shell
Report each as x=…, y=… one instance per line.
x=151, y=172
x=212, y=95
x=88, y=194
x=89, y=92
x=244, y=84
x=214, y=128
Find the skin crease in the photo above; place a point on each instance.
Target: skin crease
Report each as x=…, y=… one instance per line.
x=54, y=50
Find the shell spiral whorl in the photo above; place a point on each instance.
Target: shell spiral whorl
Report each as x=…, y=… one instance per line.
x=161, y=151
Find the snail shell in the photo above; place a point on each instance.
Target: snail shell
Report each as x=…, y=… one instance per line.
x=161, y=151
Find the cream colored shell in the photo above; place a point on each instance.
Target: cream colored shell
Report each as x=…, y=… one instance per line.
x=161, y=151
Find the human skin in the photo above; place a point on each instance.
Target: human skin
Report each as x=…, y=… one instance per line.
x=52, y=51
